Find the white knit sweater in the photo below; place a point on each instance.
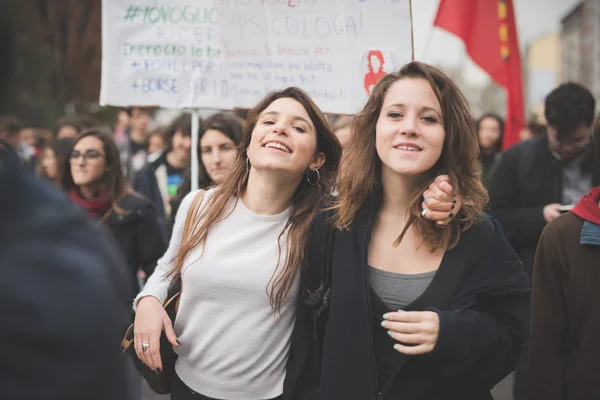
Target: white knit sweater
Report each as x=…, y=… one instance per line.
x=232, y=345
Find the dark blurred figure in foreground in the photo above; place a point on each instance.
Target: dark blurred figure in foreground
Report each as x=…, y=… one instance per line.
x=62, y=290
x=538, y=179
x=63, y=296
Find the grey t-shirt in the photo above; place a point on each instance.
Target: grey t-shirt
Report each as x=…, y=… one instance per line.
x=575, y=183
x=398, y=290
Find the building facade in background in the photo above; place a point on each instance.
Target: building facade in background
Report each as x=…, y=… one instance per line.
x=580, y=45
x=543, y=72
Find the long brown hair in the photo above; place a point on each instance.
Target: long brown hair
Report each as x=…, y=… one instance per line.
x=306, y=202
x=359, y=180
x=61, y=149
x=118, y=186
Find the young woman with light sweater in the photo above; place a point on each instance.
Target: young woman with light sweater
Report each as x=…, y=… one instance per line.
x=241, y=268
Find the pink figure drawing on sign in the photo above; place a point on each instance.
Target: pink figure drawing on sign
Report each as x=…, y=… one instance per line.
x=375, y=62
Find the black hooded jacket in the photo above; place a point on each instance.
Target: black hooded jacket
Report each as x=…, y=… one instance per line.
x=480, y=293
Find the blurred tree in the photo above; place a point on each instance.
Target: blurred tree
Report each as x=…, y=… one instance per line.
x=58, y=58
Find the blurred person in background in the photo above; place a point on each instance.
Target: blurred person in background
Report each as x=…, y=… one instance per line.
x=68, y=127
x=94, y=181
x=10, y=129
x=121, y=126
x=533, y=129
x=565, y=323
x=490, y=129
x=537, y=179
x=156, y=142
x=54, y=266
x=218, y=152
x=53, y=160
x=342, y=129
x=133, y=155
x=160, y=179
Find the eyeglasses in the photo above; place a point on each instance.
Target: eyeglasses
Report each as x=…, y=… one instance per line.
x=91, y=155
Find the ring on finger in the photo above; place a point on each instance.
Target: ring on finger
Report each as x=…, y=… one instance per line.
x=145, y=346
x=424, y=212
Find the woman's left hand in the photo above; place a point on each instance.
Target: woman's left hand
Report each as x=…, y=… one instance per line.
x=441, y=202
x=417, y=329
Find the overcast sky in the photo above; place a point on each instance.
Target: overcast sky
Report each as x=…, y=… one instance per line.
x=534, y=18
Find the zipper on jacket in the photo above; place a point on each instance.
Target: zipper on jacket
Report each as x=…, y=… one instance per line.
x=370, y=333
x=390, y=381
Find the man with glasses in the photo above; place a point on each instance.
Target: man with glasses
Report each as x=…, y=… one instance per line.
x=539, y=179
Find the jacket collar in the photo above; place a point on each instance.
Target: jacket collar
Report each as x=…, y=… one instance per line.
x=590, y=234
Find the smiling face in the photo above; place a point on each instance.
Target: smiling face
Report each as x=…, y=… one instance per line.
x=284, y=140
x=218, y=153
x=88, y=161
x=409, y=132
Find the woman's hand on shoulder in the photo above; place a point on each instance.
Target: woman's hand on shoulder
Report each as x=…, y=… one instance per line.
x=441, y=202
x=416, y=331
x=150, y=321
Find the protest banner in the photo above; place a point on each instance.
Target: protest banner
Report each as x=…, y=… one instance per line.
x=229, y=53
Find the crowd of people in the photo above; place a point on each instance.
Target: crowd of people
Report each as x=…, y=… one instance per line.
x=384, y=255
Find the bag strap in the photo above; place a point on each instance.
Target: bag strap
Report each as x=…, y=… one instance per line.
x=176, y=285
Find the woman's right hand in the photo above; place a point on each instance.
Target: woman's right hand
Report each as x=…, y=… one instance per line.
x=150, y=320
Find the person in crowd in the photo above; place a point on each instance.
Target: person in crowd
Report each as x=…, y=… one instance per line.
x=342, y=130
x=93, y=180
x=9, y=131
x=416, y=311
x=133, y=156
x=490, y=130
x=55, y=264
x=533, y=129
x=121, y=127
x=160, y=179
x=218, y=144
x=156, y=142
x=537, y=179
x=246, y=257
x=68, y=127
x=565, y=325
x=54, y=159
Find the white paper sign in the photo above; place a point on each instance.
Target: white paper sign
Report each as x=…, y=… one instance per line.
x=230, y=53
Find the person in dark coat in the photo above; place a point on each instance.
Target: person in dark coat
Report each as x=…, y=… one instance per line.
x=535, y=178
x=95, y=182
x=565, y=323
x=218, y=147
x=490, y=130
x=414, y=310
x=64, y=295
x=159, y=180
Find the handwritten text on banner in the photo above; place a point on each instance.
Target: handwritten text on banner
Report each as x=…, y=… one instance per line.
x=230, y=53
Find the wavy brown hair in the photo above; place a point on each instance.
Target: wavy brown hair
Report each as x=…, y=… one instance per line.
x=306, y=203
x=359, y=180
x=113, y=178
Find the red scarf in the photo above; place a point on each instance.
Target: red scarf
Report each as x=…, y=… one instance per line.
x=95, y=208
x=587, y=207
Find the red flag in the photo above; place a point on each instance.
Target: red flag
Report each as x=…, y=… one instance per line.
x=489, y=31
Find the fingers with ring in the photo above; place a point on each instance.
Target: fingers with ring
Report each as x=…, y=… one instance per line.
x=145, y=346
x=424, y=212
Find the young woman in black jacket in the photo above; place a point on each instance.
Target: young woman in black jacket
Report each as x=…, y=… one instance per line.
x=94, y=180
x=414, y=311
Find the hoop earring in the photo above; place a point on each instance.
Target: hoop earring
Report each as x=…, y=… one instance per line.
x=308, y=175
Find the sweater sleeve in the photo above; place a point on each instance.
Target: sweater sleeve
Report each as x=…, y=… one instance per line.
x=158, y=283
x=547, y=352
x=482, y=339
